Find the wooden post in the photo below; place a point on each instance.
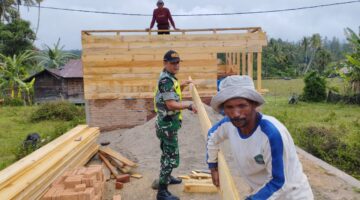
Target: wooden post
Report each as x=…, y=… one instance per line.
x=259, y=71
x=238, y=63
x=250, y=64
x=243, y=72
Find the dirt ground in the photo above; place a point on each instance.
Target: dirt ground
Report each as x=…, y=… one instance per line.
x=141, y=145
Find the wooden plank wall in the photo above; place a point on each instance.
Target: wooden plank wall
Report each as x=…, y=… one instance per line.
x=127, y=66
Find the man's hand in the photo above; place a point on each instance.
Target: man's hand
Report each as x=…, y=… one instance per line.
x=185, y=83
x=193, y=108
x=215, y=177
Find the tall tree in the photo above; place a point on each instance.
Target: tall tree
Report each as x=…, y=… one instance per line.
x=54, y=57
x=315, y=43
x=16, y=37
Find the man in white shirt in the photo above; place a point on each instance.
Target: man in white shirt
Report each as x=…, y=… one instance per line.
x=261, y=145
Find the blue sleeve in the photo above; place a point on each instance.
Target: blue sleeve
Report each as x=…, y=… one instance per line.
x=277, y=163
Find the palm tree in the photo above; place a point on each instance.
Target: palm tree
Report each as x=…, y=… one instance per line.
x=354, y=59
x=7, y=10
x=13, y=71
x=315, y=43
x=54, y=57
x=10, y=9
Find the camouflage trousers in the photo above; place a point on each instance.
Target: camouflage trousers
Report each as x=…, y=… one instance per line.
x=170, y=153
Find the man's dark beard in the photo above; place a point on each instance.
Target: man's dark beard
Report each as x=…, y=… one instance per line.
x=239, y=121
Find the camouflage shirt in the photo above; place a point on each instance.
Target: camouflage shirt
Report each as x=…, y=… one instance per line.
x=167, y=119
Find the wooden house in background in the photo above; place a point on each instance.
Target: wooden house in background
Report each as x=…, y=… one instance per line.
x=60, y=84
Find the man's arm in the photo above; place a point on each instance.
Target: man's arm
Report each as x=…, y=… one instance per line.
x=166, y=87
x=216, y=135
x=153, y=20
x=171, y=20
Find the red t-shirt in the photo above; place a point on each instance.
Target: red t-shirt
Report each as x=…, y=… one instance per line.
x=162, y=17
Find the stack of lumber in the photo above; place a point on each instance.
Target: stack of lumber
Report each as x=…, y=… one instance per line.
x=29, y=177
x=114, y=160
x=198, y=182
x=85, y=183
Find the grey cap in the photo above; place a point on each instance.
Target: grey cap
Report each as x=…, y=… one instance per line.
x=233, y=87
x=159, y=2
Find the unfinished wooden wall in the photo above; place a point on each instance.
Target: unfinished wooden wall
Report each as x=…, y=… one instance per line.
x=128, y=66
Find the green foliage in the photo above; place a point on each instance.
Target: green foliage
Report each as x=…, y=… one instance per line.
x=12, y=73
x=15, y=126
x=54, y=57
x=13, y=102
x=61, y=110
x=325, y=144
x=353, y=60
x=315, y=88
x=293, y=59
x=16, y=37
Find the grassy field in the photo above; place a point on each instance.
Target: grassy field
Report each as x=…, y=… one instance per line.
x=329, y=131
x=15, y=125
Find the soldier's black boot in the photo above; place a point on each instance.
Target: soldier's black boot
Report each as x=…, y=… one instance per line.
x=164, y=194
x=174, y=180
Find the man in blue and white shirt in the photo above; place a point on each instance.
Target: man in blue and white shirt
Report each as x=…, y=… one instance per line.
x=261, y=145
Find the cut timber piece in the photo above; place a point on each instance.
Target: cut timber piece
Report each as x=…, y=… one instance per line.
x=108, y=165
x=138, y=176
x=125, y=169
x=200, y=175
x=184, y=177
x=200, y=187
x=117, y=156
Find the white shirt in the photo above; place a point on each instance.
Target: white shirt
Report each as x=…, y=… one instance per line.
x=270, y=144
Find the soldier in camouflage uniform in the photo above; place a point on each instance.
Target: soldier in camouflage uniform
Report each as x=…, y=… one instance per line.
x=168, y=105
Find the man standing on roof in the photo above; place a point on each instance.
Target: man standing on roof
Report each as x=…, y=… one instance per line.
x=261, y=145
x=168, y=105
x=162, y=16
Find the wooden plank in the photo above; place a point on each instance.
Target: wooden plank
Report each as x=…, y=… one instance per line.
x=140, y=95
x=181, y=48
x=155, y=38
x=227, y=186
x=250, y=64
x=155, y=57
x=200, y=188
x=145, y=70
x=149, y=63
x=109, y=165
x=259, y=71
x=118, y=156
x=15, y=170
x=243, y=65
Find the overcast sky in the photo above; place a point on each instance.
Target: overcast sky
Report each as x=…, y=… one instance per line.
x=328, y=21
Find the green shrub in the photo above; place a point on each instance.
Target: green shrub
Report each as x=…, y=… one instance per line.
x=13, y=102
x=325, y=144
x=61, y=110
x=315, y=88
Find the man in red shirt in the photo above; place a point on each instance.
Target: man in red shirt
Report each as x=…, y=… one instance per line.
x=162, y=16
